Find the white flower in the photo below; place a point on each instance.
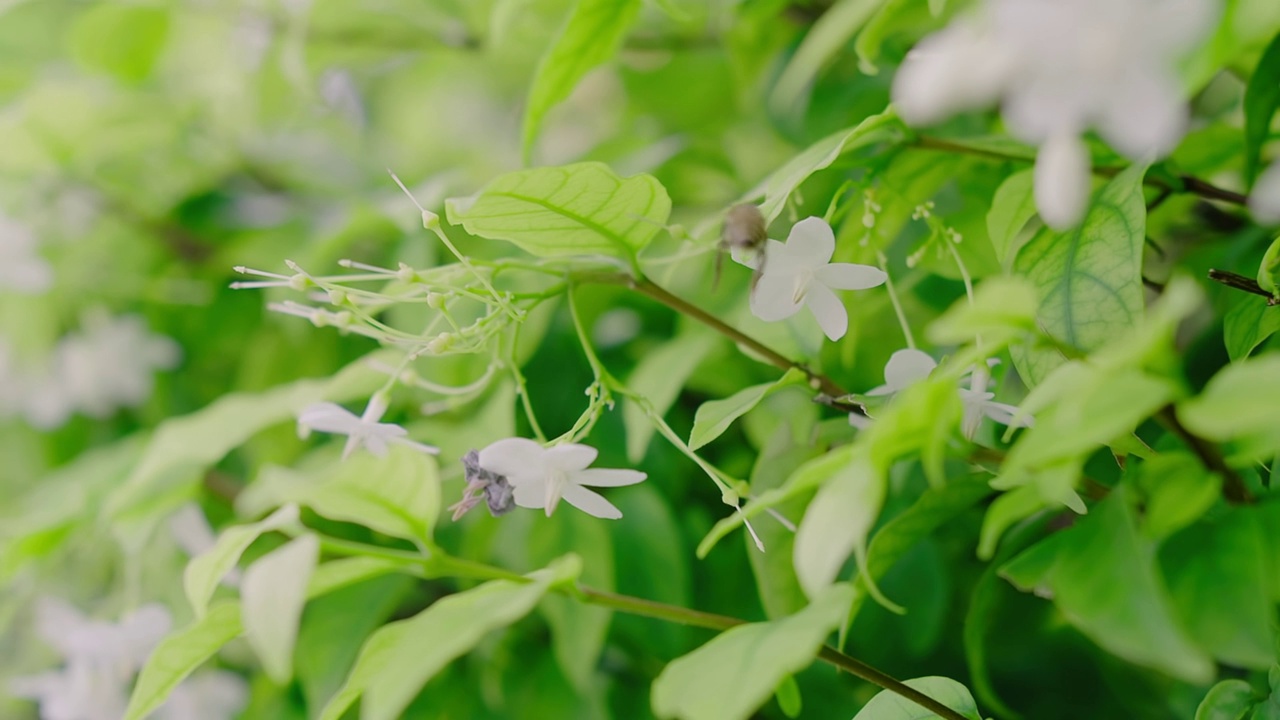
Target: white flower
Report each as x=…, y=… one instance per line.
x=1062, y=181
x=1264, y=200
x=209, y=695
x=1060, y=68
x=542, y=476
x=364, y=430
x=910, y=366
x=21, y=269
x=100, y=661
x=800, y=272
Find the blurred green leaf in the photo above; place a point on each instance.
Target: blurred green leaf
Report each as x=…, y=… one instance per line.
x=735, y=673
x=659, y=377
x=181, y=653
x=1248, y=324
x=789, y=698
x=1227, y=700
x=1013, y=206
x=207, y=569
x=714, y=417
x=121, y=39
x=272, y=595
x=593, y=34
x=1261, y=98
x=887, y=705
x=1102, y=575
x=1089, y=278
x=833, y=30
x=1238, y=403
x=1269, y=268
x=401, y=657
x=580, y=209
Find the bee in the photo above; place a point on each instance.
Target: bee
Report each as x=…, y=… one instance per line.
x=744, y=230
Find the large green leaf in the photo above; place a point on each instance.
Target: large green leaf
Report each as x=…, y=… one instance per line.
x=580, y=209
x=181, y=653
x=735, y=673
x=715, y=416
x=1248, y=324
x=207, y=569
x=1089, y=278
x=401, y=657
x=659, y=377
x=592, y=35
x=887, y=705
x=1102, y=575
x=271, y=596
x=1261, y=98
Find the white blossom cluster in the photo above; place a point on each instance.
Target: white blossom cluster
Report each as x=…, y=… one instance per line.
x=22, y=270
x=109, y=364
x=1060, y=68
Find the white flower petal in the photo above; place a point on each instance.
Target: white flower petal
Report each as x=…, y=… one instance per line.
x=850, y=276
x=1006, y=415
x=1264, y=200
x=531, y=493
x=827, y=310
x=907, y=366
x=1062, y=181
x=811, y=243
x=590, y=502
x=328, y=417
x=142, y=630
x=1145, y=115
x=519, y=459
x=570, y=457
x=774, y=295
x=420, y=447
x=608, y=477
x=59, y=624
x=190, y=529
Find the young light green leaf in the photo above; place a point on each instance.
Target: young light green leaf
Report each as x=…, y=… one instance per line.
x=400, y=658
x=1012, y=207
x=182, y=447
x=1007, y=509
x=272, y=596
x=829, y=34
x=1248, y=324
x=121, y=39
x=783, y=182
x=337, y=574
x=593, y=34
x=887, y=705
x=715, y=416
x=1269, y=268
x=1002, y=308
x=1102, y=575
x=207, y=569
x=1261, y=99
x=1089, y=278
x=1178, y=491
x=179, y=654
x=735, y=673
x=580, y=209
x=1228, y=700
x=659, y=377
x=789, y=698
x=838, y=520
x=1239, y=402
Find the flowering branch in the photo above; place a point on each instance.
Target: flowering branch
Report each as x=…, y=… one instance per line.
x=1186, y=183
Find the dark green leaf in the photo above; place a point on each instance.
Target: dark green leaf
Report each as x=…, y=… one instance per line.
x=1261, y=98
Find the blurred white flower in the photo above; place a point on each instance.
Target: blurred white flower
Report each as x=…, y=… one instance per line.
x=800, y=273
x=905, y=368
x=208, y=695
x=21, y=267
x=100, y=659
x=1264, y=200
x=191, y=531
x=327, y=417
x=542, y=476
x=1062, y=180
x=1061, y=67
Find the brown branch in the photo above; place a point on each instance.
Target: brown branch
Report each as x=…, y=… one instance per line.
x=1242, y=283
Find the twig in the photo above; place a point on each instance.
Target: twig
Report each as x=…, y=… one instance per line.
x=1233, y=487
x=1242, y=283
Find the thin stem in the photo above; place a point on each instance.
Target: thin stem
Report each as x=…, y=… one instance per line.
x=522, y=386
x=1233, y=487
x=1188, y=183
x=893, y=298
x=1242, y=283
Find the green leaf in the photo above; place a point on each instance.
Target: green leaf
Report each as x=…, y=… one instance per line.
x=839, y=519
x=1228, y=700
x=121, y=39
x=401, y=657
x=1178, y=491
x=1089, y=278
x=580, y=209
x=181, y=653
x=398, y=494
x=1002, y=308
x=183, y=447
x=1248, y=324
x=891, y=15
x=1012, y=207
x=1005, y=511
x=715, y=416
x=651, y=549
x=593, y=34
x=1261, y=98
x=779, y=186
x=1238, y=403
x=338, y=574
x=829, y=34
x=887, y=705
x=789, y=698
x=1215, y=570
x=1269, y=268
x=272, y=596
x=1102, y=575
x=659, y=377
x=207, y=569
x=735, y=673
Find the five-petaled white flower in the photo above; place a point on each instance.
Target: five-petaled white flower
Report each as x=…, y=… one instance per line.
x=542, y=476
x=909, y=366
x=327, y=417
x=800, y=272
